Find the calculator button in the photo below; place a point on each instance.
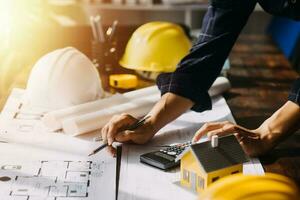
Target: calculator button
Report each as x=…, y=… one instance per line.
x=172, y=153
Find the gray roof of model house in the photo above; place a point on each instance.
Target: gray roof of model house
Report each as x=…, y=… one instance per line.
x=228, y=153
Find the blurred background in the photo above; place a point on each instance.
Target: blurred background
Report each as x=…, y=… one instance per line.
x=31, y=28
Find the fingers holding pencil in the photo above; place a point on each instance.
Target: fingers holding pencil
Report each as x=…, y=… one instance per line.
x=115, y=125
x=125, y=128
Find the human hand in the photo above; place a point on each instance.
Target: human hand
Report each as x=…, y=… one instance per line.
x=253, y=142
x=116, y=130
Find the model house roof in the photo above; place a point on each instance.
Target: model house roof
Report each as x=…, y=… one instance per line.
x=228, y=153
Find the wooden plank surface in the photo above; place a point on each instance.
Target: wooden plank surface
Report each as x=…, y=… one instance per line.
x=261, y=78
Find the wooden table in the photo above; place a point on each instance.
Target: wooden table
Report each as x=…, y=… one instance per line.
x=261, y=78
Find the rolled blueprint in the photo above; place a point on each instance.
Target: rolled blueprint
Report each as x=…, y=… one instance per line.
x=220, y=86
x=52, y=120
x=50, y=141
x=96, y=120
x=90, y=116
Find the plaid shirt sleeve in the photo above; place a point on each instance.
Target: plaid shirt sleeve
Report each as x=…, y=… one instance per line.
x=294, y=95
x=197, y=71
x=285, y=8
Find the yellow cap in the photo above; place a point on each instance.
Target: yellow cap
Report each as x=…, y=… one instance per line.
x=156, y=47
x=123, y=81
x=252, y=187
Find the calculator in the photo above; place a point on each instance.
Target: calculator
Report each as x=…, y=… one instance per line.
x=165, y=158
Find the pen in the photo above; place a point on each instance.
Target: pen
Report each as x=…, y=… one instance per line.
x=113, y=30
x=99, y=28
x=95, y=35
x=132, y=127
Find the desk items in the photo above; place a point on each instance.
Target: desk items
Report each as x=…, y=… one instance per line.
x=53, y=119
x=93, y=115
x=39, y=164
x=144, y=49
x=142, y=180
x=96, y=120
x=204, y=163
x=47, y=174
x=132, y=127
x=22, y=125
x=97, y=28
x=104, y=44
x=239, y=186
x=63, y=78
x=40, y=145
x=123, y=81
x=220, y=86
x=98, y=149
x=165, y=158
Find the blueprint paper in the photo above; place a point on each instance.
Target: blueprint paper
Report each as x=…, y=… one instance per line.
x=37, y=164
x=45, y=173
x=140, y=181
x=185, y=126
x=21, y=126
x=30, y=130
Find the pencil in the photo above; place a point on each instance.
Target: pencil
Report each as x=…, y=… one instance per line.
x=99, y=149
x=132, y=127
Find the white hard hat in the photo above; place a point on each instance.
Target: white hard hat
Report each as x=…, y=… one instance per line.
x=63, y=78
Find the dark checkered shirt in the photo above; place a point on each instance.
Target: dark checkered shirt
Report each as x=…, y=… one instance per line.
x=221, y=26
x=295, y=92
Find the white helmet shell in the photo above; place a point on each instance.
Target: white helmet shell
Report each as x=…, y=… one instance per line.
x=63, y=78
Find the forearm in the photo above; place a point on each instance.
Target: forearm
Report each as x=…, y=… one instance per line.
x=281, y=124
x=167, y=109
x=198, y=70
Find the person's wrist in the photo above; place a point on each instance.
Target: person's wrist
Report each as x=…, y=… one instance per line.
x=150, y=126
x=152, y=123
x=268, y=136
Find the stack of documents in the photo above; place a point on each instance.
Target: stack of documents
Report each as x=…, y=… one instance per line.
x=38, y=164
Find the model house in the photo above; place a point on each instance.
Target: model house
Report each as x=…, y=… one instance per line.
x=205, y=163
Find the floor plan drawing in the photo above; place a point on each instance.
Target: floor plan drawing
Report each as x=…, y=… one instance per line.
x=45, y=179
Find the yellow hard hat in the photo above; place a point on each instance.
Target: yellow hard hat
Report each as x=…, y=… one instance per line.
x=156, y=47
x=252, y=187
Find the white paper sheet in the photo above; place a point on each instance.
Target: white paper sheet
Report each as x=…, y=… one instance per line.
x=41, y=173
x=185, y=126
x=54, y=119
x=79, y=119
x=140, y=181
x=44, y=164
x=137, y=181
x=16, y=119
x=96, y=120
